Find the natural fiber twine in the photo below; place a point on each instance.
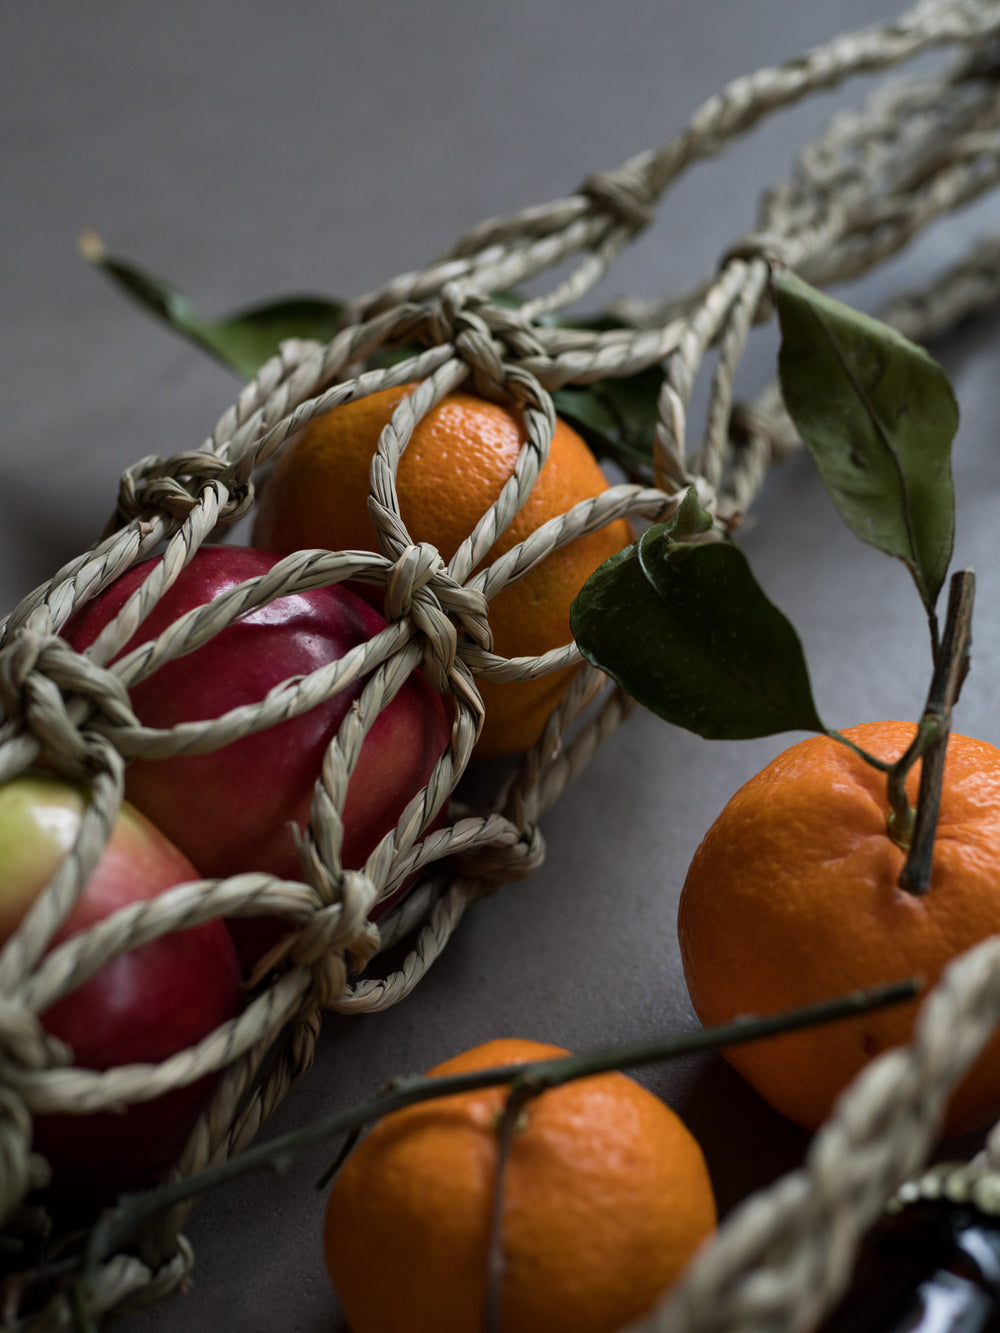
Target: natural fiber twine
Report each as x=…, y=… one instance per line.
x=919, y=148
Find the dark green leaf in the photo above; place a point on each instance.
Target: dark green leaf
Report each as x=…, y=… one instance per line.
x=248, y=338
x=617, y=417
x=686, y=629
x=687, y=520
x=878, y=417
x=387, y=355
x=242, y=341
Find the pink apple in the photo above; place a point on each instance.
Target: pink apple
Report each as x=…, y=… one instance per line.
x=231, y=810
x=141, y=1007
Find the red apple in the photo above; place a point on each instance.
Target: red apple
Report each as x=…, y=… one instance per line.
x=231, y=810
x=141, y=1007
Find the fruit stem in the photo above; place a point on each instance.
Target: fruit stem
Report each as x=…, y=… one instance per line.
x=521, y=1091
x=872, y=759
x=119, y=1223
x=932, y=625
x=950, y=669
x=902, y=815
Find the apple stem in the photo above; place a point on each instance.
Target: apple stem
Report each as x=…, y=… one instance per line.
x=950, y=669
x=119, y=1223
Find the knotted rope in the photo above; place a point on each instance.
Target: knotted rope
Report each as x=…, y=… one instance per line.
x=918, y=149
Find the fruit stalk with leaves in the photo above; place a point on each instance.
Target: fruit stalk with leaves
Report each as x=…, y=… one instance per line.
x=679, y=620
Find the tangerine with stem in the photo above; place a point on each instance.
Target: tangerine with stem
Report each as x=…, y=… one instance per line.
x=794, y=895
x=605, y=1197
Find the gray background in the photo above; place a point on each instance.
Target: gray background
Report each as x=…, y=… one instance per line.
x=249, y=150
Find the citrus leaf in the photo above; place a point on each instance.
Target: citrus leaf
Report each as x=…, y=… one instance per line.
x=878, y=416
x=242, y=341
x=685, y=628
x=687, y=520
x=617, y=417
x=245, y=340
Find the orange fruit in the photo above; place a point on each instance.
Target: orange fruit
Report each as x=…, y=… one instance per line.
x=452, y=470
x=793, y=897
x=606, y=1196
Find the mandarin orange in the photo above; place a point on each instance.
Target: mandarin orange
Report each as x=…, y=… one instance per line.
x=793, y=897
x=606, y=1197
x=452, y=470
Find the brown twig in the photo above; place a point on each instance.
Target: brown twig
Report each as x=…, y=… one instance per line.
x=950, y=670
x=120, y=1223
x=509, y=1122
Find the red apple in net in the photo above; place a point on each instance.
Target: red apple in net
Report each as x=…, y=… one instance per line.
x=232, y=810
x=141, y=1007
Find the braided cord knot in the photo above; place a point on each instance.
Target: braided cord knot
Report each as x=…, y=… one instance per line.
x=511, y=857
x=173, y=486
x=420, y=588
x=624, y=194
x=491, y=339
x=56, y=694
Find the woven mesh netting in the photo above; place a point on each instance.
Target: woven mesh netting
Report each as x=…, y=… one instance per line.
x=918, y=148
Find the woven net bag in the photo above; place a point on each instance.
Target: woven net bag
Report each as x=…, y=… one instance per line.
x=918, y=148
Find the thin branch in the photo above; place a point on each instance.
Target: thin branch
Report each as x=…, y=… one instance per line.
x=949, y=674
x=118, y=1224
x=522, y=1090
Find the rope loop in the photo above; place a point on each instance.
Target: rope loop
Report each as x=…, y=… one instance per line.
x=418, y=567
x=338, y=940
x=56, y=694
x=771, y=246
x=515, y=331
x=622, y=193
x=421, y=588
x=341, y=927
x=173, y=486
x=502, y=862
x=491, y=339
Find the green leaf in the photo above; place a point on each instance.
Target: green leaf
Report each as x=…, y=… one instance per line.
x=242, y=341
x=617, y=417
x=878, y=416
x=687, y=520
x=685, y=628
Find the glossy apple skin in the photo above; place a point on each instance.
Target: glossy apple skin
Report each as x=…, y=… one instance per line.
x=141, y=1007
x=231, y=810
